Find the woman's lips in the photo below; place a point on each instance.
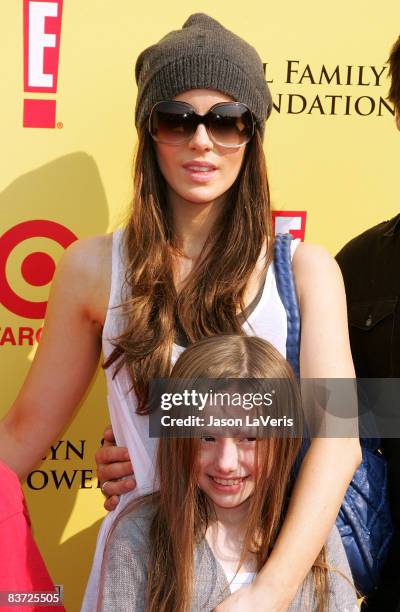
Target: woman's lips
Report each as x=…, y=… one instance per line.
x=200, y=173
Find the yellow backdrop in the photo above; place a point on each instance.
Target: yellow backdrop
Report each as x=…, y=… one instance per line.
x=331, y=146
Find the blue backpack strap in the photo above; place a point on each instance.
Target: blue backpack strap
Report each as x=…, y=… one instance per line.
x=287, y=293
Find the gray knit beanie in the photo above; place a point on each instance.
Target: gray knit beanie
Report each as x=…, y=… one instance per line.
x=202, y=55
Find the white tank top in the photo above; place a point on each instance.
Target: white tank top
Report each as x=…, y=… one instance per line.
x=267, y=320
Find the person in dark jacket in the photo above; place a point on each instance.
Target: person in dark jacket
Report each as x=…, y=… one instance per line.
x=370, y=267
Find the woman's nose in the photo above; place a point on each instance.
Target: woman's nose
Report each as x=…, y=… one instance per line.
x=201, y=138
x=226, y=460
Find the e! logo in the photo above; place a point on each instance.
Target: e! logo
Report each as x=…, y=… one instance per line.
x=37, y=268
x=290, y=222
x=42, y=30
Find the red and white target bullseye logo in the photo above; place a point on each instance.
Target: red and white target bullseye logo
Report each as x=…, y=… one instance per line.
x=37, y=268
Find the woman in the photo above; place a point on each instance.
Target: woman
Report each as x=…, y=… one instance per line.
x=227, y=489
x=194, y=256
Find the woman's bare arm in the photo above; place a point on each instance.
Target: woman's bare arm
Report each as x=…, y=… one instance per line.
x=329, y=463
x=66, y=358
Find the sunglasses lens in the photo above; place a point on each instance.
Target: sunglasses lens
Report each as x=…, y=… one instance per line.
x=170, y=122
x=174, y=122
x=231, y=125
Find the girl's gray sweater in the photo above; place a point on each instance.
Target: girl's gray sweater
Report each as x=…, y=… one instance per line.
x=124, y=572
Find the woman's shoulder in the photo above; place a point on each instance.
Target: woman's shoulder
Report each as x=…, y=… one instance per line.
x=312, y=255
x=88, y=253
x=314, y=268
x=86, y=265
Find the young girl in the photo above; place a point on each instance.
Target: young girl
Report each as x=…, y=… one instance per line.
x=193, y=261
x=213, y=522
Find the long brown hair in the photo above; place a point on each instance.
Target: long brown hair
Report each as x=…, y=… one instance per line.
x=208, y=303
x=182, y=511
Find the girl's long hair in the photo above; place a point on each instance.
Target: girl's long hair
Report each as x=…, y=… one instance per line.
x=182, y=510
x=208, y=302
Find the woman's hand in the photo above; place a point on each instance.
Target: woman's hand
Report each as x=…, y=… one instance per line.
x=114, y=470
x=251, y=598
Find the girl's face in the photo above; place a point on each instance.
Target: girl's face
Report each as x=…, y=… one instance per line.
x=185, y=182
x=227, y=470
